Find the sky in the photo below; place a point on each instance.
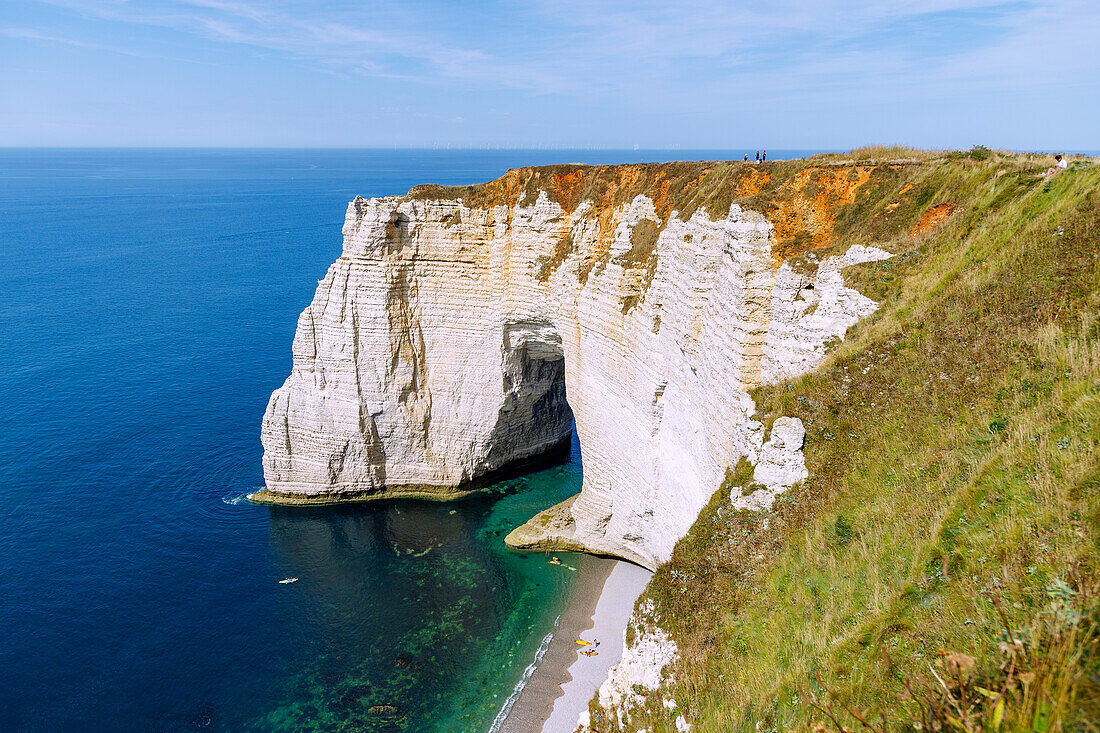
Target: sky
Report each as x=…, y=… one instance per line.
x=692, y=74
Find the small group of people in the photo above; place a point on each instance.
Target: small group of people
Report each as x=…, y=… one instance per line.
x=759, y=156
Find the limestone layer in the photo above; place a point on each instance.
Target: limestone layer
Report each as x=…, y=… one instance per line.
x=450, y=342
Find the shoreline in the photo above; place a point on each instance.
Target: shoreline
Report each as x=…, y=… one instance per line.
x=554, y=455
x=564, y=680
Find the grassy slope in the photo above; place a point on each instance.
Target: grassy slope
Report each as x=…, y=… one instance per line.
x=952, y=448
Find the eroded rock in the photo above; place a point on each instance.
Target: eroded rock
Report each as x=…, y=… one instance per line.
x=449, y=344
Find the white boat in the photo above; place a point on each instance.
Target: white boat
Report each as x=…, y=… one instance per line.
x=287, y=581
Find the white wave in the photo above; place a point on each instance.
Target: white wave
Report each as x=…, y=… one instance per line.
x=234, y=500
x=518, y=689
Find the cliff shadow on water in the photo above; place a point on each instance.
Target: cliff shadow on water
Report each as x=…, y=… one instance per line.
x=424, y=621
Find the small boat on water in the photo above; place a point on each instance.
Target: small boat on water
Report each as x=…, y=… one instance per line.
x=288, y=581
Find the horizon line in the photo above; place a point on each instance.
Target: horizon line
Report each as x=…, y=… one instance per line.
x=1091, y=152
x=378, y=147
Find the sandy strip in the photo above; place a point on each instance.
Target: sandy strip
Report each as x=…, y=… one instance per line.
x=565, y=680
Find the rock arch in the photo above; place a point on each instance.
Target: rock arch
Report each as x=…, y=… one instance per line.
x=442, y=344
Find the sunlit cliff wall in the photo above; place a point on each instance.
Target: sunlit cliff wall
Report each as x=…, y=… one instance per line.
x=463, y=329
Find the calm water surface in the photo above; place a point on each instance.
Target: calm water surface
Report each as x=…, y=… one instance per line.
x=148, y=302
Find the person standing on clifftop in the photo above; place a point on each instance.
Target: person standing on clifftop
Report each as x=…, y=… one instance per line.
x=764, y=157
x=757, y=156
x=746, y=157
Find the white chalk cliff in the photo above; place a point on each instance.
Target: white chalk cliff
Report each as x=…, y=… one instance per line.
x=641, y=670
x=450, y=342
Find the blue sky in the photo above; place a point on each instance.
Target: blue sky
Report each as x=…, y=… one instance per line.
x=570, y=73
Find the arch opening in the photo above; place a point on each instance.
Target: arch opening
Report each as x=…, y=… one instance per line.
x=535, y=422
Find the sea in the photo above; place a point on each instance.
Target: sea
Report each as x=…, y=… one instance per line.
x=148, y=299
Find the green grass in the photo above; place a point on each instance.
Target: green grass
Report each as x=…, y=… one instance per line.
x=952, y=445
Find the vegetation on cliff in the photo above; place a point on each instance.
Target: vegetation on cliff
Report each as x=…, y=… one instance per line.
x=939, y=567
x=818, y=206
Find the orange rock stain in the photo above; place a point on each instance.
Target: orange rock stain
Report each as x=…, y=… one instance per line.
x=567, y=186
x=931, y=218
x=753, y=182
x=808, y=203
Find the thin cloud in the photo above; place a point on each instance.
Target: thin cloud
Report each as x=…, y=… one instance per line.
x=28, y=34
x=624, y=67
x=575, y=46
x=396, y=50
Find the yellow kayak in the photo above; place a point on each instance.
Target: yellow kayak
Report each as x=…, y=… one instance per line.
x=582, y=642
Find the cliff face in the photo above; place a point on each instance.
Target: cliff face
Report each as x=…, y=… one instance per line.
x=462, y=331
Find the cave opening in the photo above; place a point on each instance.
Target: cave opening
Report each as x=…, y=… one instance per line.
x=535, y=425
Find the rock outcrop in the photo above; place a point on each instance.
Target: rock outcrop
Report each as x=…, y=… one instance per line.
x=460, y=333
x=640, y=671
x=778, y=464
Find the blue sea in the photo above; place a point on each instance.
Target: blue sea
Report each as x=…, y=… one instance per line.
x=148, y=301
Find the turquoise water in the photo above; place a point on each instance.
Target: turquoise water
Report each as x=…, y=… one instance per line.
x=148, y=301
